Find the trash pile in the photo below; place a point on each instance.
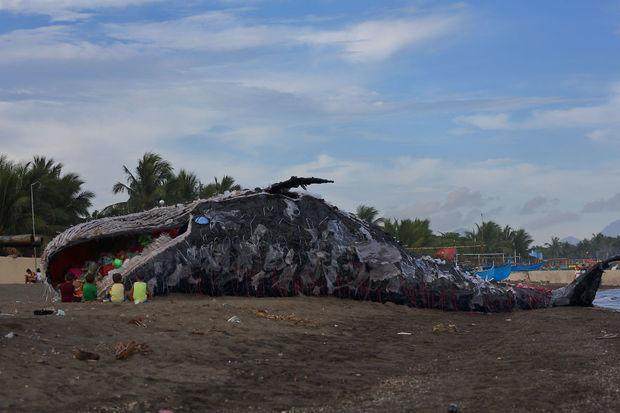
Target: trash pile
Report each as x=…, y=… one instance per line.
x=105, y=259
x=279, y=242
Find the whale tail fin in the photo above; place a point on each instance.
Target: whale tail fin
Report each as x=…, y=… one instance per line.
x=582, y=291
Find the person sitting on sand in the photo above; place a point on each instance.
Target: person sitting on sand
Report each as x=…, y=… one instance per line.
x=117, y=291
x=30, y=277
x=89, y=289
x=77, y=283
x=67, y=290
x=139, y=291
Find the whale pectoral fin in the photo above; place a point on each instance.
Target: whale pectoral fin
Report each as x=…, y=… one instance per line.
x=582, y=291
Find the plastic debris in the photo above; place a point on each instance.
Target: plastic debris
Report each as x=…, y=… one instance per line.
x=277, y=242
x=444, y=328
x=60, y=313
x=291, y=318
x=85, y=355
x=10, y=335
x=404, y=333
x=453, y=408
x=234, y=320
x=123, y=351
x=138, y=321
x=608, y=336
x=43, y=312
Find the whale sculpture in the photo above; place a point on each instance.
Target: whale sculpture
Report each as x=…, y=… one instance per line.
x=279, y=242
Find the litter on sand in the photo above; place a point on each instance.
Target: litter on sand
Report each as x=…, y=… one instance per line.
x=85, y=355
x=608, y=336
x=404, y=333
x=444, y=328
x=291, y=318
x=43, y=312
x=138, y=321
x=234, y=320
x=123, y=351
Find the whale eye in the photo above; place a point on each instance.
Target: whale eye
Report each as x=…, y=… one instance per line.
x=201, y=220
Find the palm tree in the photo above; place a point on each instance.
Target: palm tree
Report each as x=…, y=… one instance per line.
x=146, y=185
x=490, y=234
x=554, y=247
x=415, y=233
x=183, y=187
x=216, y=187
x=391, y=226
x=368, y=213
x=59, y=199
x=10, y=194
x=521, y=241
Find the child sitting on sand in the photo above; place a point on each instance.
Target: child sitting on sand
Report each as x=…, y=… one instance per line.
x=67, y=290
x=139, y=291
x=117, y=291
x=89, y=290
x=77, y=284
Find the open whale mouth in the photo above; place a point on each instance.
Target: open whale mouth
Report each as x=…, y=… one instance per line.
x=133, y=239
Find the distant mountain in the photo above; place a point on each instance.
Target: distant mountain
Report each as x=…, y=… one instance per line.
x=612, y=229
x=461, y=231
x=571, y=240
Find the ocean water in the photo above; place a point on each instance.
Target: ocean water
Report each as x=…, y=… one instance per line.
x=608, y=299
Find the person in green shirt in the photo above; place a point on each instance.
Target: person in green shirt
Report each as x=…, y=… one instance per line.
x=89, y=289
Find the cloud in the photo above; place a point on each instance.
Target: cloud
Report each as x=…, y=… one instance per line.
x=462, y=197
x=537, y=204
x=57, y=42
x=553, y=218
x=213, y=31
x=225, y=31
x=380, y=39
x=485, y=121
x=603, y=135
x=599, y=116
x=65, y=9
x=611, y=204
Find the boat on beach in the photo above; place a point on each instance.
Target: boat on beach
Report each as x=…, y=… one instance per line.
x=494, y=273
x=527, y=267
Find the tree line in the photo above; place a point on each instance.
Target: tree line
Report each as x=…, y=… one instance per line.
x=154, y=180
x=598, y=247
x=62, y=201
x=486, y=237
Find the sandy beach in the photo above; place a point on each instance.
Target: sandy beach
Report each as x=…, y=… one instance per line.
x=303, y=354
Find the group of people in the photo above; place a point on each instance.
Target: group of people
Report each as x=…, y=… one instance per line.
x=73, y=290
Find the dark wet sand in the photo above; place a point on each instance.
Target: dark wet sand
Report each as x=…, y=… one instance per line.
x=333, y=355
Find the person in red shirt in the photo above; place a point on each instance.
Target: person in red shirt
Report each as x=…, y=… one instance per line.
x=67, y=290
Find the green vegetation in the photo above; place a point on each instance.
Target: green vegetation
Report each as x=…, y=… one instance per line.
x=154, y=179
x=368, y=213
x=60, y=200
x=598, y=246
x=416, y=233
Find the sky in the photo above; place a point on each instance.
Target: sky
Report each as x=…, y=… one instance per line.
x=440, y=110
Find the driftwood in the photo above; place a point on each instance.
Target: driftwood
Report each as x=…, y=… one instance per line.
x=26, y=240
